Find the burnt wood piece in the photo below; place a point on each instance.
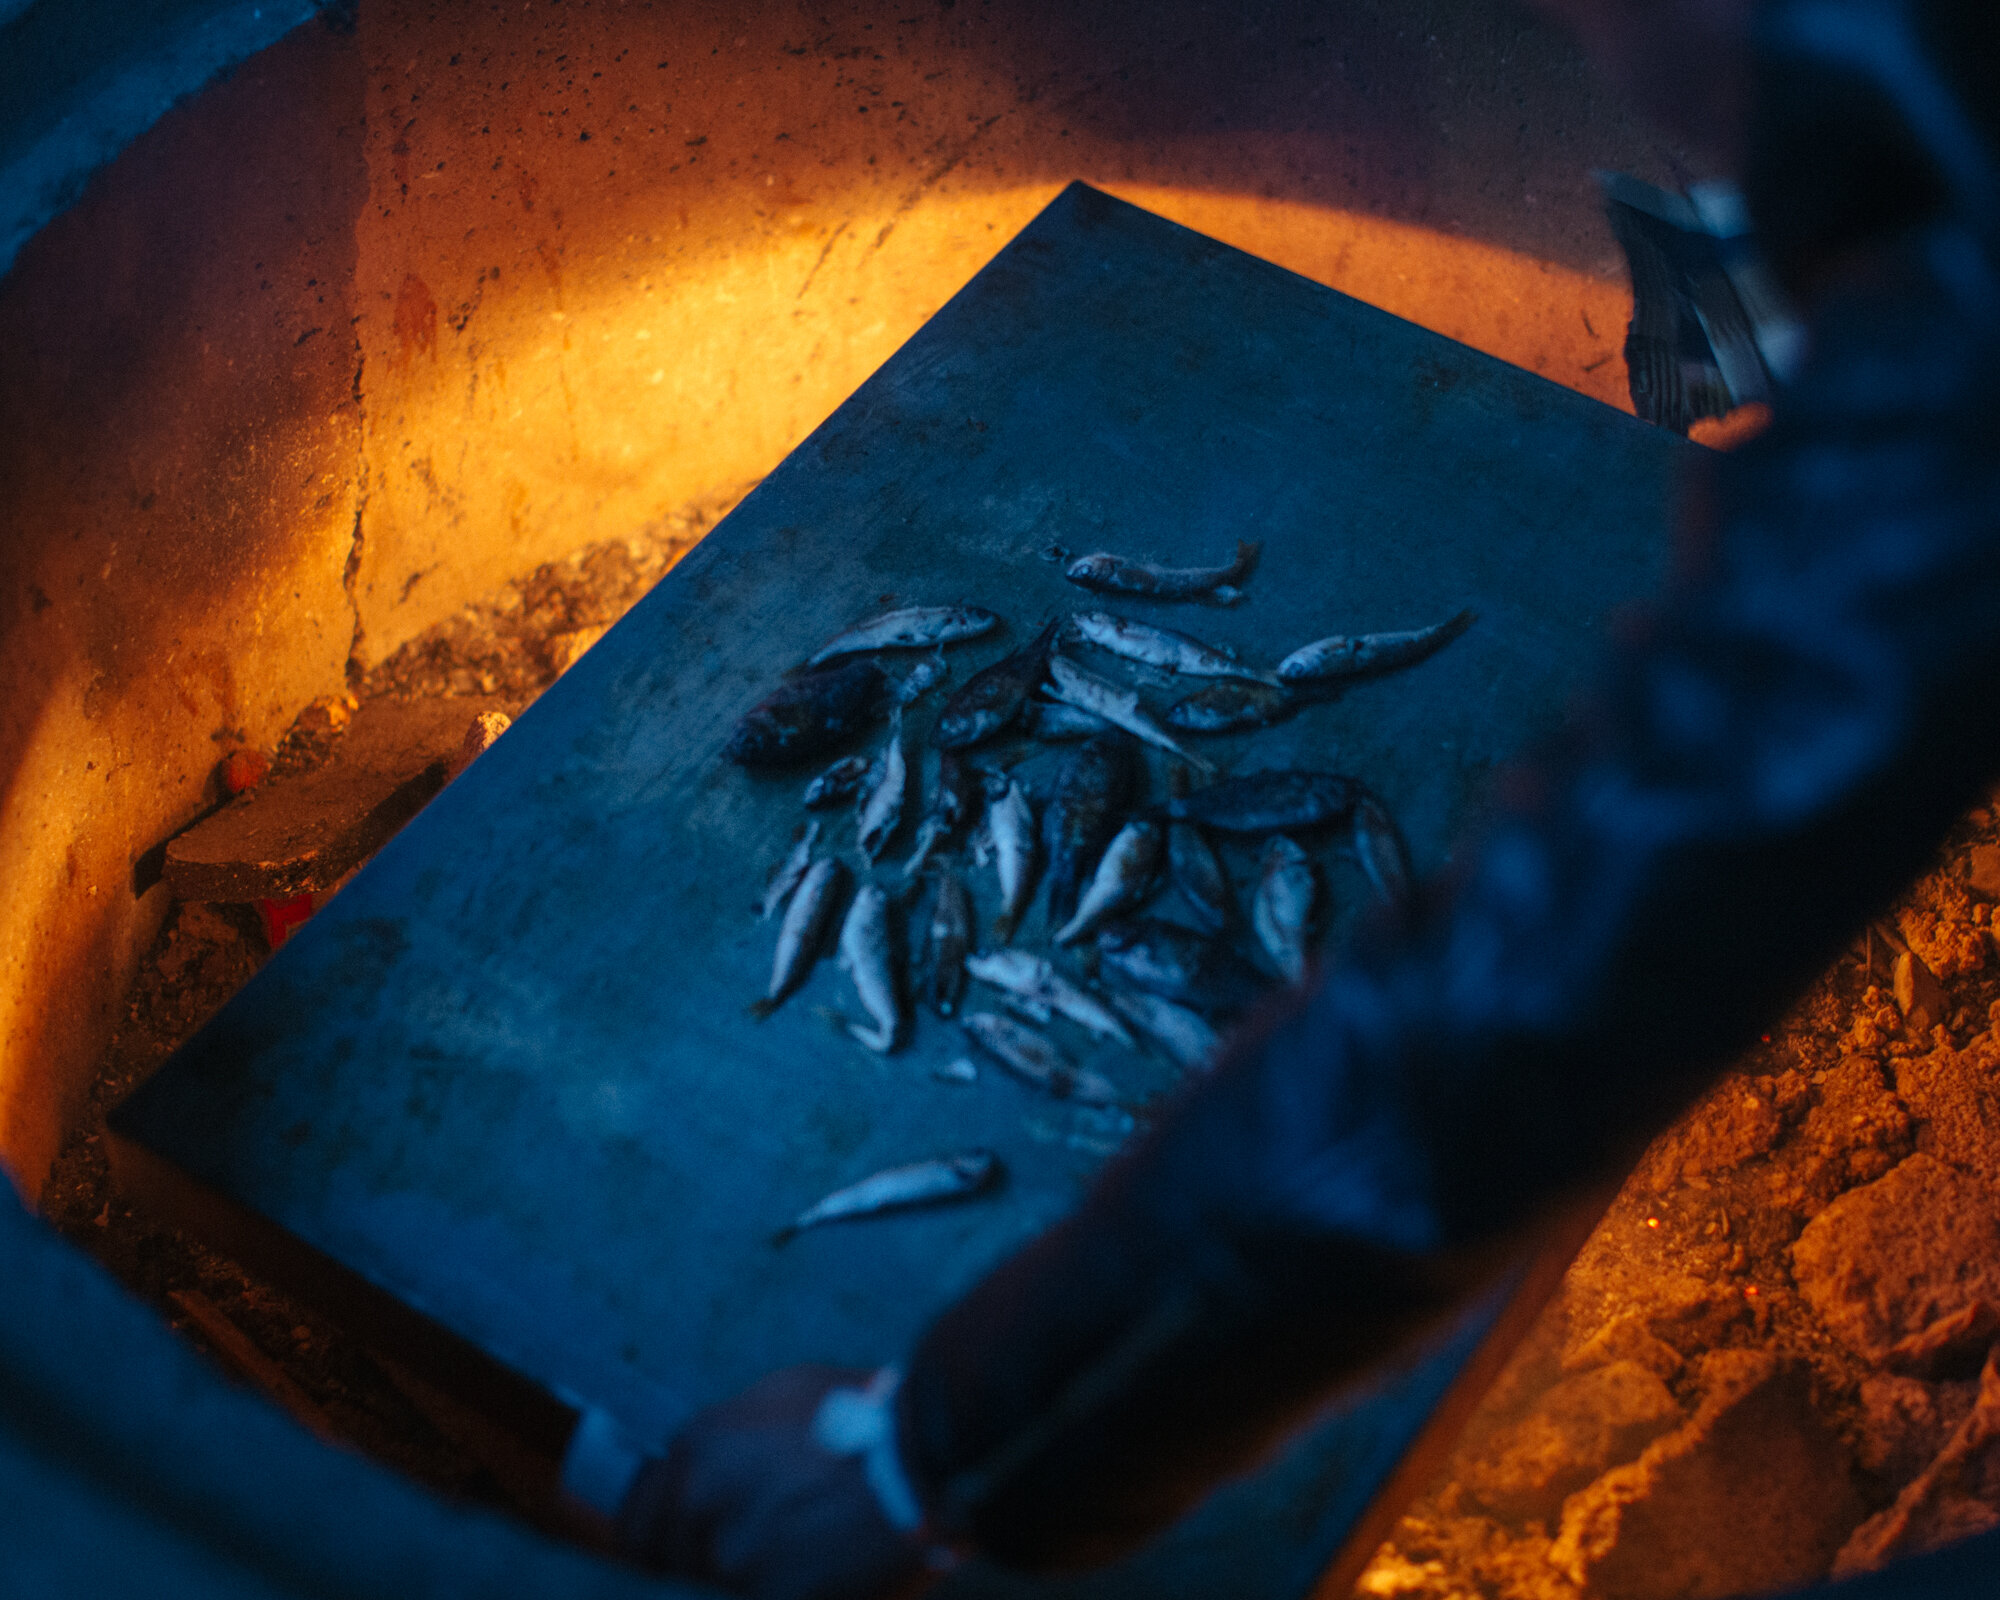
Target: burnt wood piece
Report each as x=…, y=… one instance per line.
x=293, y=835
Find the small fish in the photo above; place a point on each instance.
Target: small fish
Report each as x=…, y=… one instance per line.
x=1121, y=880
x=920, y=680
x=1087, y=692
x=1052, y=722
x=1183, y=1034
x=960, y=1070
x=1269, y=802
x=1036, y=1060
x=1378, y=842
x=1109, y=574
x=1162, y=648
x=912, y=628
x=993, y=697
x=1032, y=979
x=1348, y=655
x=802, y=932
x=952, y=802
x=1194, y=870
x=837, y=785
x=1179, y=964
x=790, y=872
x=883, y=794
x=922, y=1183
x=1282, y=909
x=1232, y=708
x=1094, y=787
x=865, y=954
x=807, y=716
x=1011, y=821
x=947, y=942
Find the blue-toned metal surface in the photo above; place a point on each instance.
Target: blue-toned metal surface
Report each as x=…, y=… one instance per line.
x=507, y=1074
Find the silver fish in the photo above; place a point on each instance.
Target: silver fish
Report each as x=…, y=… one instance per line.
x=802, y=932
x=1183, y=1034
x=1032, y=978
x=947, y=941
x=882, y=797
x=1012, y=823
x=1086, y=691
x=1052, y=722
x=837, y=784
x=790, y=872
x=1112, y=574
x=1121, y=878
x=1162, y=648
x=1282, y=910
x=920, y=680
x=1036, y=1060
x=864, y=953
x=922, y=1183
x=912, y=628
x=1346, y=655
x=1378, y=842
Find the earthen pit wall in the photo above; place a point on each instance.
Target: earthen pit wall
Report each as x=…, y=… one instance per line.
x=372, y=327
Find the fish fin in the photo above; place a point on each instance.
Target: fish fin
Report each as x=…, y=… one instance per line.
x=758, y=1010
x=784, y=1235
x=1003, y=928
x=1224, y=594
x=1072, y=930
x=1247, y=552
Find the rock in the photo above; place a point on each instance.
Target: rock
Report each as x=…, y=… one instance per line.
x=1919, y=995
x=302, y=832
x=1579, y=1427
x=480, y=737
x=1888, y=1260
x=1982, y=871
x=1956, y=1496
x=1955, y=1095
x=1905, y=1423
x=1624, y=1338
x=1754, y=1493
x=244, y=769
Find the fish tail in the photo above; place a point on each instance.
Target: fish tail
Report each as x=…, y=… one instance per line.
x=1247, y=552
x=1224, y=594
x=758, y=1010
x=1071, y=930
x=784, y=1235
x=1003, y=926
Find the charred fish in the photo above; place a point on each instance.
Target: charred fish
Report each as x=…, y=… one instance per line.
x=1183, y=1034
x=922, y=1183
x=947, y=942
x=1052, y=722
x=1161, y=648
x=992, y=697
x=1036, y=1060
x=865, y=954
x=802, y=932
x=1378, y=843
x=1074, y=686
x=1033, y=979
x=1232, y=708
x=1349, y=655
x=838, y=784
x=1282, y=909
x=952, y=803
x=887, y=787
x=1011, y=821
x=808, y=716
x=912, y=628
x=1121, y=879
x=1093, y=788
x=791, y=871
x=1110, y=574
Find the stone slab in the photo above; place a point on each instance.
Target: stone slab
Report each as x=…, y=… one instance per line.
x=506, y=1075
x=294, y=834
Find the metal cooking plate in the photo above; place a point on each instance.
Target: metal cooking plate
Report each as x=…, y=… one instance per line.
x=507, y=1075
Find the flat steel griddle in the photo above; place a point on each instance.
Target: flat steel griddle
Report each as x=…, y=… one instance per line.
x=506, y=1076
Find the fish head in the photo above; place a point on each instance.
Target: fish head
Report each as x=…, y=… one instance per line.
x=1091, y=569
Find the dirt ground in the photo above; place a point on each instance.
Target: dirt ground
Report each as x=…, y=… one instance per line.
x=1769, y=1362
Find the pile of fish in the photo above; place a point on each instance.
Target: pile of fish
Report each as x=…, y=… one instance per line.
x=1082, y=822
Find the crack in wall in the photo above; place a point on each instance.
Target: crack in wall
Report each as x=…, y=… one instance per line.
x=350, y=577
